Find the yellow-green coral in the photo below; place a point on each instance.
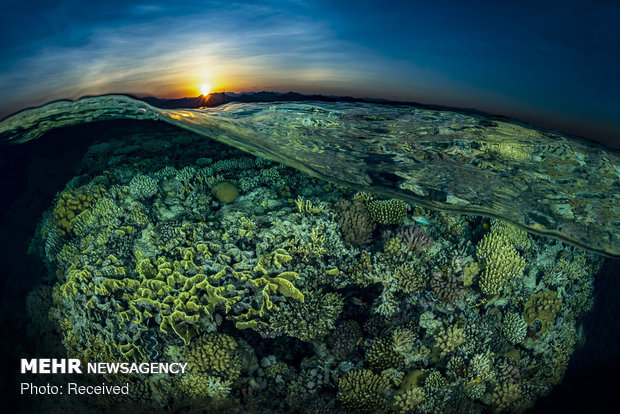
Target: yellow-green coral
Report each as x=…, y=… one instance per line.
x=101, y=213
x=506, y=395
x=200, y=387
x=359, y=272
x=392, y=211
x=214, y=354
x=383, y=356
x=542, y=306
x=268, y=285
x=362, y=391
x=70, y=204
x=449, y=339
x=160, y=288
x=435, y=380
x=502, y=263
x=513, y=234
x=411, y=278
x=406, y=399
x=306, y=206
x=514, y=328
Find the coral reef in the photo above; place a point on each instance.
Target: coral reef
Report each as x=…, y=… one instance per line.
x=286, y=294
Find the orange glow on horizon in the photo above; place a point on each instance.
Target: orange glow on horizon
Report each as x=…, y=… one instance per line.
x=206, y=88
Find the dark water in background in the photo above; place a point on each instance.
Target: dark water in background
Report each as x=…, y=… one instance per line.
x=34, y=172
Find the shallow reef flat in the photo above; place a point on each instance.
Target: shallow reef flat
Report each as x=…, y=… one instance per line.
x=287, y=293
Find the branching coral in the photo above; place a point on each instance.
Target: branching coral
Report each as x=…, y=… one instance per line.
x=143, y=187
x=362, y=390
x=502, y=263
x=391, y=211
x=449, y=339
x=307, y=320
x=414, y=238
x=448, y=287
x=407, y=399
x=410, y=279
x=506, y=395
x=514, y=328
x=382, y=355
x=214, y=354
x=355, y=222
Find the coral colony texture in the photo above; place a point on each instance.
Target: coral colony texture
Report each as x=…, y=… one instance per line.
x=285, y=293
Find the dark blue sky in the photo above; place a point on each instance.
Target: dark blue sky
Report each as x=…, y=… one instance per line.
x=555, y=63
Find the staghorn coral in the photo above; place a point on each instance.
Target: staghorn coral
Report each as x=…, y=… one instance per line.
x=362, y=391
x=355, y=222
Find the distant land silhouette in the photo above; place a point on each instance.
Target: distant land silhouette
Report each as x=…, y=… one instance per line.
x=220, y=98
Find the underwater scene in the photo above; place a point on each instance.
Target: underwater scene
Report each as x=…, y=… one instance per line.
x=308, y=257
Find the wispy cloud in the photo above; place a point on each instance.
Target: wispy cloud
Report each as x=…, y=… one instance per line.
x=498, y=58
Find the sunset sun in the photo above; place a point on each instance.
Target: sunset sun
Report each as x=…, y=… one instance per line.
x=205, y=89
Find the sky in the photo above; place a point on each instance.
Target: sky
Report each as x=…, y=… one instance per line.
x=555, y=64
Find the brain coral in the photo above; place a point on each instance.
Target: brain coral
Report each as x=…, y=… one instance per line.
x=225, y=191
